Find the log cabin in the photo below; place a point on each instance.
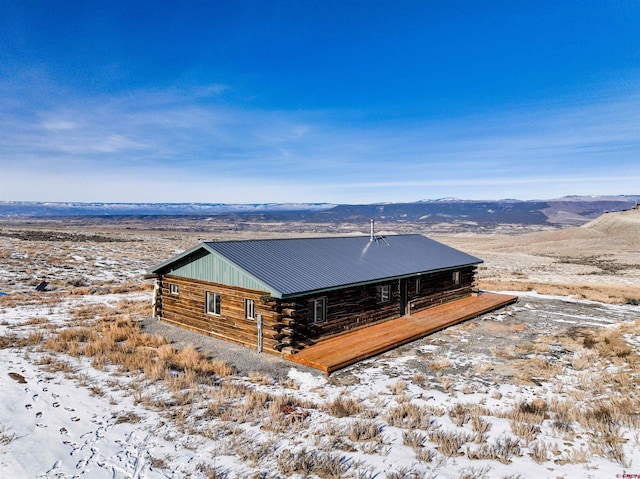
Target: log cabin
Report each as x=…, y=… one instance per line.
x=281, y=295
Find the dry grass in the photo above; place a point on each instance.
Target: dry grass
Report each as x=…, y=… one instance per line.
x=503, y=450
x=619, y=293
x=110, y=337
x=6, y=437
x=533, y=412
x=539, y=452
x=398, y=388
x=439, y=364
x=414, y=439
x=425, y=454
x=307, y=462
x=410, y=415
x=462, y=413
x=344, y=406
x=450, y=443
x=481, y=427
x=448, y=383
x=191, y=387
x=528, y=432
x=364, y=430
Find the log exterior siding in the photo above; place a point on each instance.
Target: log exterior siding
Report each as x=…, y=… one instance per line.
x=286, y=322
x=188, y=309
x=354, y=307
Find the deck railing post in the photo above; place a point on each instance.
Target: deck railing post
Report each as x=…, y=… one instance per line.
x=259, y=333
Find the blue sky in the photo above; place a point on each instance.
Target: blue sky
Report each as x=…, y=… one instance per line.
x=318, y=101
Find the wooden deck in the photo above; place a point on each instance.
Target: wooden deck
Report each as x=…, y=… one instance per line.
x=349, y=348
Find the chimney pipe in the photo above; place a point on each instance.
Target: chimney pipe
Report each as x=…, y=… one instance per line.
x=372, y=237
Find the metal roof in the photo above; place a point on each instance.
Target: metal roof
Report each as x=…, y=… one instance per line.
x=291, y=267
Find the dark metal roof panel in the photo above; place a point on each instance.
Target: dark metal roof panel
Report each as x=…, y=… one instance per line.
x=295, y=266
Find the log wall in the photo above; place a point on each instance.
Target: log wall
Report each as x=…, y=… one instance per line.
x=188, y=309
x=286, y=322
x=356, y=307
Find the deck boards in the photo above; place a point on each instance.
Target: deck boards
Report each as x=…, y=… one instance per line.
x=349, y=348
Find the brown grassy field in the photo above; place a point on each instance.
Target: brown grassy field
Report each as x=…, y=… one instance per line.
x=598, y=261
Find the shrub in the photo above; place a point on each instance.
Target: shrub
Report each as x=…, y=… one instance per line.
x=502, y=450
x=212, y=472
x=256, y=451
x=304, y=462
x=409, y=415
x=415, y=439
x=425, y=454
x=474, y=473
x=344, y=406
x=506, y=448
x=363, y=430
x=405, y=473
x=449, y=443
x=539, y=452
x=459, y=414
x=398, y=388
x=609, y=442
x=479, y=425
x=526, y=431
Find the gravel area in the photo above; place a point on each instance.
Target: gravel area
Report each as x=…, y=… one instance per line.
x=243, y=360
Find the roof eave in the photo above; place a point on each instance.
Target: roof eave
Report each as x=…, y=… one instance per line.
x=156, y=269
x=373, y=281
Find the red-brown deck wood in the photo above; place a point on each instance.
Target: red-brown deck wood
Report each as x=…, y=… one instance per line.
x=349, y=348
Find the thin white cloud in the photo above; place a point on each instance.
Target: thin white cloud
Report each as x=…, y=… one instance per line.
x=56, y=125
x=189, y=146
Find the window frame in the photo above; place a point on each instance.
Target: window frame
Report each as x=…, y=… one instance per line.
x=313, y=310
x=456, y=278
x=383, y=293
x=217, y=304
x=249, y=308
x=174, y=289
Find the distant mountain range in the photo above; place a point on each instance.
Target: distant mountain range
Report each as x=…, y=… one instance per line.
x=50, y=209
x=565, y=211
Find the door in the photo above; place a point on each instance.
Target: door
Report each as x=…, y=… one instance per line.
x=404, y=297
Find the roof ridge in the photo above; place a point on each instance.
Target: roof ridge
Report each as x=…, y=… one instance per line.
x=308, y=238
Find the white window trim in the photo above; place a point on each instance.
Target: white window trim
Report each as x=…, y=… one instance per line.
x=207, y=302
x=456, y=278
x=313, y=309
x=383, y=293
x=249, y=308
x=174, y=288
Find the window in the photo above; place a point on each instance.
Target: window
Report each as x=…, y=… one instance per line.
x=174, y=288
x=418, y=286
x=213, y=303
x=383, y=293
x=249, y=309
x=457, y=278
x=318, y=310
